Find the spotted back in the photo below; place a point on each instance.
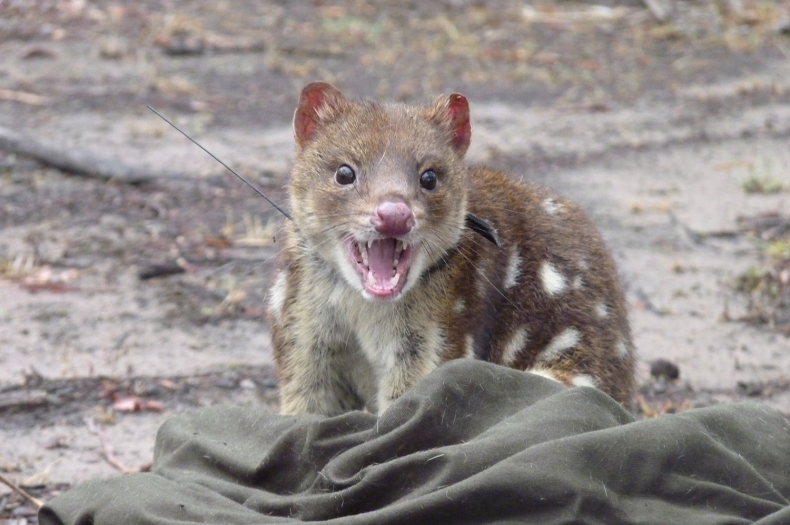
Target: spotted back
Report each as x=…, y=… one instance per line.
x=548, y=300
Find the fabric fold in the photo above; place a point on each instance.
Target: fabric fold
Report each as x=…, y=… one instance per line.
x=471, y=443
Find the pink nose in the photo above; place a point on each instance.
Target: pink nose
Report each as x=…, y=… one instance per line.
x=392, y=219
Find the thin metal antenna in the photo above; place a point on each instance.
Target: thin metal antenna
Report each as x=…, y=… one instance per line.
x=225, y=165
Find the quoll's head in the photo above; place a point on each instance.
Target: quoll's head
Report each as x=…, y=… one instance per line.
x=379, y=190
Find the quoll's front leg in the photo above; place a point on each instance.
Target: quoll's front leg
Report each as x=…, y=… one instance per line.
x=407, y=360
x=315, y=365
x=314, y=379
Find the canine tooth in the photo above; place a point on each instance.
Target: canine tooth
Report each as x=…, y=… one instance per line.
x=404, y=245
x=371, y=279
x=370, y=244
x=364, y=253
x=394, y=281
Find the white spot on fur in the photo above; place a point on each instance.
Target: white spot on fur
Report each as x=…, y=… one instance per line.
x=551, y=206
x=602, y=310
x=514, y=346
x=622, y=350
x=277, y=294
x=513, y=270
x=584, y=264
x=548, y=374
x=561, y=343
x=553, y=281
x=584, y=380
x=470, y=347
x=459, y=306
x=577, y=283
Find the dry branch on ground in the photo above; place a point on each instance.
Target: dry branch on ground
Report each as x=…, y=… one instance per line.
x=80, y=163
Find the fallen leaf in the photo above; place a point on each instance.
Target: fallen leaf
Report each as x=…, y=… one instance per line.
x=38, y=52
x=127, y=404
x=217, y=242
x=168, y=384
x=48, y=287
x=151, y=406
x=135, y=404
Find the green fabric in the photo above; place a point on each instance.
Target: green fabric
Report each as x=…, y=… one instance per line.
x=471, y=443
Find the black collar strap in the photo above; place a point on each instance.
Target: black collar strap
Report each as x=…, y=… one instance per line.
x=478, y=225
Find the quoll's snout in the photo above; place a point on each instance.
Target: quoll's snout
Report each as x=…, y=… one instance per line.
x=392, y=219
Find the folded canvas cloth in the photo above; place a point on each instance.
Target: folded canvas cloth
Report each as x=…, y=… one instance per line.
x=471, y=443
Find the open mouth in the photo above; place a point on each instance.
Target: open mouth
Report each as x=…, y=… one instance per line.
x=382, y=264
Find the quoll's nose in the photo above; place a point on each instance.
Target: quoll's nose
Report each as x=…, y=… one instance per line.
x=392, y=219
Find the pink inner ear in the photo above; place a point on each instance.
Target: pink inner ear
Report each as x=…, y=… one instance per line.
x=458, y=110
x=314, y=95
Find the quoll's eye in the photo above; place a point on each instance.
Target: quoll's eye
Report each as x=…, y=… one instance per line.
x=428, y=180
x=345, y=175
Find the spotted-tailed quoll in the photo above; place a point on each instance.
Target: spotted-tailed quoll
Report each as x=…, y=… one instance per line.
x=399, y=257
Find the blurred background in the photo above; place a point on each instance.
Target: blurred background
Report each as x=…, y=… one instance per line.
x=133, y=268
x=241, y=62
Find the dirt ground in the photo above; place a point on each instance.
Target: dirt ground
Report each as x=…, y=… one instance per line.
x=122, y=305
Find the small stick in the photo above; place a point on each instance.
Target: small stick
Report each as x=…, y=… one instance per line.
x=245, y=181
x=37, y=503
x=79, y=162
x=109, y=453
x=22, y=96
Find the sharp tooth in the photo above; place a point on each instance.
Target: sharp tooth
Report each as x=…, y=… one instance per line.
x=370, y=244
x=404, y=245
x=364, y=253
x=394, y=281
x=371, y=279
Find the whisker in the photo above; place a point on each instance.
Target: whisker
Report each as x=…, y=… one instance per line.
x=480, y=273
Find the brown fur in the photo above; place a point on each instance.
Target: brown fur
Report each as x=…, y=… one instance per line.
x=337, y=350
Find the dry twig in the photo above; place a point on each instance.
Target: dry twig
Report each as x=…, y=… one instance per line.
x=22, y=96
x=23, y=398
x=109, y=453
x=79, y=162
x=37, y=503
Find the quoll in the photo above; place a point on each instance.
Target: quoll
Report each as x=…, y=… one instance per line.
x=399, y=257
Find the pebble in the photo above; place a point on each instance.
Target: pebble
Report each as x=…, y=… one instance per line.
x=661, y=368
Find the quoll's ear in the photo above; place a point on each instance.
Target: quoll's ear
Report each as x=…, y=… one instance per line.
x=453, y=112
x=318, y=101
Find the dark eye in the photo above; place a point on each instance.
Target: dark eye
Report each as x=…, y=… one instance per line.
x=345, y=175
x=428, y=180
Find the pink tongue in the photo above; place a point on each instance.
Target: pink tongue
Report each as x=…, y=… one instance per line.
x=380, y=257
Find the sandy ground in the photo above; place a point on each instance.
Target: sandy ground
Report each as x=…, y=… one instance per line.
x=661, y=175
